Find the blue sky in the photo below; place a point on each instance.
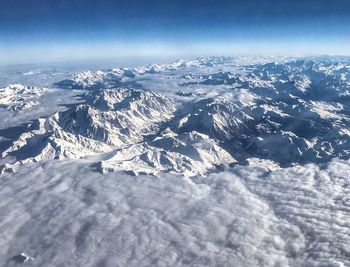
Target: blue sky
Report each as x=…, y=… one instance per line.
x=53, y=30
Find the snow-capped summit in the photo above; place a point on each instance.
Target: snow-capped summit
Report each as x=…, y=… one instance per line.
x=189, y=154
x=98, y=79
x=113, y=119
x=18, y=97
x=127, y=77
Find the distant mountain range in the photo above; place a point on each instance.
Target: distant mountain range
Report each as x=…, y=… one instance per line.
x=274, y=114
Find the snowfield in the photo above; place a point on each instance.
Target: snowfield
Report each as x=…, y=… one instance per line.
x=214, y=161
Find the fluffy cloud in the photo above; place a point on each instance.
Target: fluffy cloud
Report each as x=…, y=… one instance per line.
x=65, y=213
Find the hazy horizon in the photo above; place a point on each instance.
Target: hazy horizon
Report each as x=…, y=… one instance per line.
x=47, y=31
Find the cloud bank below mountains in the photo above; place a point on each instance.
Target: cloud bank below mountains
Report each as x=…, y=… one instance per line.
x=65, y=213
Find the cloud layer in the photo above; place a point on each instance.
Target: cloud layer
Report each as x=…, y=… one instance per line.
x=65, y=213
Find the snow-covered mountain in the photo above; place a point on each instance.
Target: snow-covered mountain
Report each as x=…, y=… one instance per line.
x=189, y=153
x=277, y=114
x=99, y=79
x=126, y=77
x=111, y=119
x=293, y=112
x=18, y=97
